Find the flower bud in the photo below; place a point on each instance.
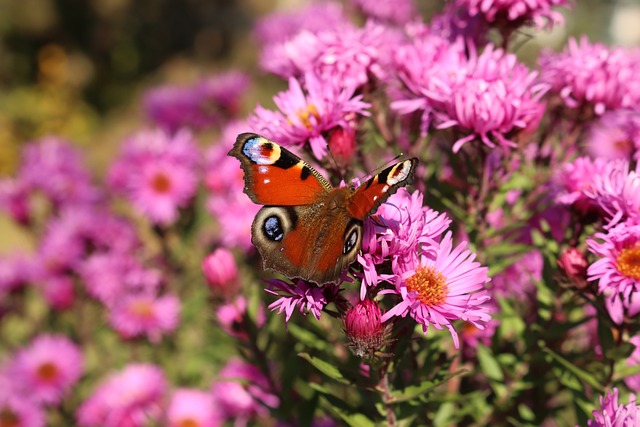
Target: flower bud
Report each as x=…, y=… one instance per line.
x=221, y=271
x=574, y=264
x=364, y=328
x=342, y=144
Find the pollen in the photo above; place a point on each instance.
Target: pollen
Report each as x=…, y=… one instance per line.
x=161, y=183
x=305, y=114
x=430, y=284
x=143, y=309
x=628, y=262
x=188, y=422
x=47, y=371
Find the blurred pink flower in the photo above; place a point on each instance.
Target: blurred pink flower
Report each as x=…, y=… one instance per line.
x=307, y=297
x=516, y=12
x=616, y=190
x=575, y=180
x=221, y=272
x=573, y=263
x=47, y=368
x=17, y=410
x=618, y=268
x=306, y=116
x=16, y=271
x=205, y=104
x=14, y=199
x=193, y=408
x=519, y=279
x=440, y=289
x=394, y=11
x=472, y=335
x=242, y=392
x=58, y=291
x=633, y=381
x=135, y=315
x=615, y=135
x=157, y=172
x=130, y=398
x=230, y=317
x=593, y=76
x=613, y=414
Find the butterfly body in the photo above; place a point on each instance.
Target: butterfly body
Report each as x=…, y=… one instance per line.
x=307, y=228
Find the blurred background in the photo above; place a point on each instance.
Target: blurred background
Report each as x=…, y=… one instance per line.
x=78, y=68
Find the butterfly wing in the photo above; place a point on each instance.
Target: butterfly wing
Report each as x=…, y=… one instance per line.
x=376, y=190
x=275, y=176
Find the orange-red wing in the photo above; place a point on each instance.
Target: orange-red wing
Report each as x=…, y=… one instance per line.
x=366, y=199
x=275, y=176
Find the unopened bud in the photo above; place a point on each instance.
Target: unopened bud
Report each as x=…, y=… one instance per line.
x=574, y=264
x=364, y=328
x=221, y=271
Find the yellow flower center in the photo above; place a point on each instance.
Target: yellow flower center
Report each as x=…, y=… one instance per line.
x=188, y=422
x=161, y=183
x=143, y=309
x=47, y=371
x=430, y=284
x=305, y=114
x=628, y=262
x=8, y=418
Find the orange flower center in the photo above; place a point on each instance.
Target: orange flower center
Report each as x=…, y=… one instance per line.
x=430, y=284
x=143, y=309
x=188, y=422
x=47, y=371
x=305, y=114
x=628, y=262
x=161, y=183
x=8, y=418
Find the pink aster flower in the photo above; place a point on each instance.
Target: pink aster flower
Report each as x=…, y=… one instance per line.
x=593, y=76
x=17, y=410
x=58, y=291
x=242, y=391
x=221, y=272
x=130, y=398
x=575, y=182
x=307, y=297
x=231, y=317
x=14, y=200
x=633, y=381
x=48, y=368
x=516, y=12
x=613, y=414
x=616, y=191
x=618, y=268
x=157, y=173
x=621, y=309
x=615, y=135
x=15, y=272
x=51, y=165
x=396, y=11
x=192, y=408
x=136, y=315
x=440, y=289
x=519, y=279
x=307, y=115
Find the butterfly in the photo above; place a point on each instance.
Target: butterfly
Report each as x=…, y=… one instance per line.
x=307, y=228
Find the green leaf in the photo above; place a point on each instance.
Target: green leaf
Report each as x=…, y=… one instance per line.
x=412, y=392
x=326, y=368
x=488, y=364
x=340, y=408
x=307, y=337
x=573, y=369
x=605, y=335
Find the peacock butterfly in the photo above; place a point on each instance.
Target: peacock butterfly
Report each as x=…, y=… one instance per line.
x=306, y=228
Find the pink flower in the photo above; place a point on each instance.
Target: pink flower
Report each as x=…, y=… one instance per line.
x=613, y=414
x=17, y=410
x=241, y=391
x=48, y=368
x=364, y=328
x=221, y=271
x=633, y=381
x=15, y=272
x=135, y=315
x=573, y=263
x=58, y=291
x=575, y=182
x=231, y=317
x=14, y=199
x=618, y=268
x=192, y=408
x=157, y=173
x=307, y=297
x=516, y=12
x=615, y=135
x=593, y=76
x=440, y=289
x=472, y=335
x=519, y=279
x=396, y=11
x=130, y=398
x=306, y=116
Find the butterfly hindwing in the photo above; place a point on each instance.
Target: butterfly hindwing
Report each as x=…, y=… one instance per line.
x=276, y=176
x=377, y=189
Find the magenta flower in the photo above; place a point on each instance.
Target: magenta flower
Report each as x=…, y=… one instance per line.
x=307, y=116
x=617, y=192
x=307, y=297
x=204, y=105
x=136, y=315
x=16, y=271
x=440, y=289
x=618, y=268
x=575, y=182
x=516, y=12
x=574, y=264
x=613, y=414
x=396, y=11
x=519, y=279
x=620, y=309
x=364, y=328
x=221, y=272
x=633, y=381
x=18, y=410
x=242, y=391
x=157, y=173
x=230, y=317
x=130, y=398
x=58, y=291
x=14, y=200
x=593, y=76
x=192, y=408
x=615, y=135
x=47, y=368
